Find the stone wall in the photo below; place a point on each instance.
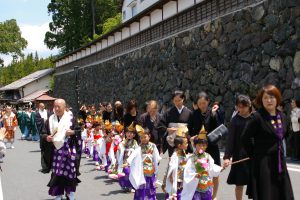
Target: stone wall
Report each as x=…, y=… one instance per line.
x=237, y=53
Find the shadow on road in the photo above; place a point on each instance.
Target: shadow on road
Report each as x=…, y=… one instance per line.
x=160, y=196
x=100, y=177
x=35, y=151
x=115, y=192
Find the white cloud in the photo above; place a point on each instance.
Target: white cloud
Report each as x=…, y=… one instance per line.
x=34, y=34
x=35, y=37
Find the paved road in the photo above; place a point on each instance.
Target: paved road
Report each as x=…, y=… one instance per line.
x=22, y=181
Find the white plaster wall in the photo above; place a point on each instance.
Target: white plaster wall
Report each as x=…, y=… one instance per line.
x=78, y=55
x=169, y=9
x=184, y=4
x=111, y=40
x=93, y=49
x=134, y=28
x=156, y=16
x=83, y=53
x=198, y=1
x=74, y=57
x=144, y=22
x=125, y=33
x=99, y=46
x=104, y=43
x=40, y=84
x=118, y=36
x=142, y=5
x=87, y=51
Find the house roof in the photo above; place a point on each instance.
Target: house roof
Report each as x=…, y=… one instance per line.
x=45, y=97
x=34, y=95
x=27, y=79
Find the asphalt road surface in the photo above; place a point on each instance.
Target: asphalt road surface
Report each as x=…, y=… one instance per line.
x=21, y=179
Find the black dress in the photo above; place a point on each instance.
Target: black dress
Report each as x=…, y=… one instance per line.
x=172, y=116
x=239, y=173
x=128, y=119
x=262, y=144
x=210, y=122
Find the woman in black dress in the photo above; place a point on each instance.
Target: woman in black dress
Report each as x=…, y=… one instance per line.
x=211, y=119
x=263, y=140
x=239, y=173
x=131, y=113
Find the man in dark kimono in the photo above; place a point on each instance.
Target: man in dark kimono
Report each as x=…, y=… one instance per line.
x=178, y=114
x=64, y=145
x=40, y=119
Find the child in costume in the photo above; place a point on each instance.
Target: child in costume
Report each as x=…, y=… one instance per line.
x=143, y=164
x=88, y=141
x=174, y=177
x=113, y=152
x=10, y=124
x=81, y=123
x=199, y=171
x=125, y=149
x=104, y=145
x=97, y=134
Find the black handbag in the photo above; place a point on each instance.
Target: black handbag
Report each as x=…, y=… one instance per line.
x=217, y=134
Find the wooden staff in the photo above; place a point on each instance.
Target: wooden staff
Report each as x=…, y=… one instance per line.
x=239, y=161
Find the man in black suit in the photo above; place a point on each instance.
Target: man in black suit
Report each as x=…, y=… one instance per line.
x=42, y=115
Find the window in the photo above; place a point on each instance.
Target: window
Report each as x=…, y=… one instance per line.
x=133, y=10
x=124, y=14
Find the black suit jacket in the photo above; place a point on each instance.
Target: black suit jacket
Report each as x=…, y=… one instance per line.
x=145, y=121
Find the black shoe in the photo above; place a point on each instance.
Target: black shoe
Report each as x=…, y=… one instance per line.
x=44, y=171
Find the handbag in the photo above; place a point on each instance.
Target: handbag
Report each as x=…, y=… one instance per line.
x=217, y=134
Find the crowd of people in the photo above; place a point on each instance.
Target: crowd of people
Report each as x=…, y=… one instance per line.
x=128, y=146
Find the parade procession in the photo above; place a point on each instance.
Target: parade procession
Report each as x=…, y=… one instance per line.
x=149, y=99
x=130, y=155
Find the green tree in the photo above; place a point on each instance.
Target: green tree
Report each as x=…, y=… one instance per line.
x=72, y=22
x=112, y=23
x=11, y=41
x=23, y=67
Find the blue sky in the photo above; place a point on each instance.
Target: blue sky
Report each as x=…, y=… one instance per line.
x=33, y=19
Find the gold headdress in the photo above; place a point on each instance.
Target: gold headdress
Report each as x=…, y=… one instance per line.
x=182, y=131
x=139, y=129
x=202, y=134
x=131, y=128
x=80, y=121
x=98, y=119
x=108, y=125
x=119, y=127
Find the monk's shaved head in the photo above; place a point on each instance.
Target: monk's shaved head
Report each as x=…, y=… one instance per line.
x=59, y=107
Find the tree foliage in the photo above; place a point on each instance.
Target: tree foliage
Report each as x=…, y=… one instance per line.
x=72, y=22
x=112, y=23
x=11, y=41
x=23, y=67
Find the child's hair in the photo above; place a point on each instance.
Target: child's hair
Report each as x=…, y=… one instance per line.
x=199, y=141
x=147, y=131
x=178, y=140
x=96, y=124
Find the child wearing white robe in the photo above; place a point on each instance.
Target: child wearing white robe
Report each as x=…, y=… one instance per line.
x=174, y=178
x=144, y=167
x=199, y=171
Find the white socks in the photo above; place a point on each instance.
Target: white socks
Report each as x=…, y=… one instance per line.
x=71, y=196
x=58, y=197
